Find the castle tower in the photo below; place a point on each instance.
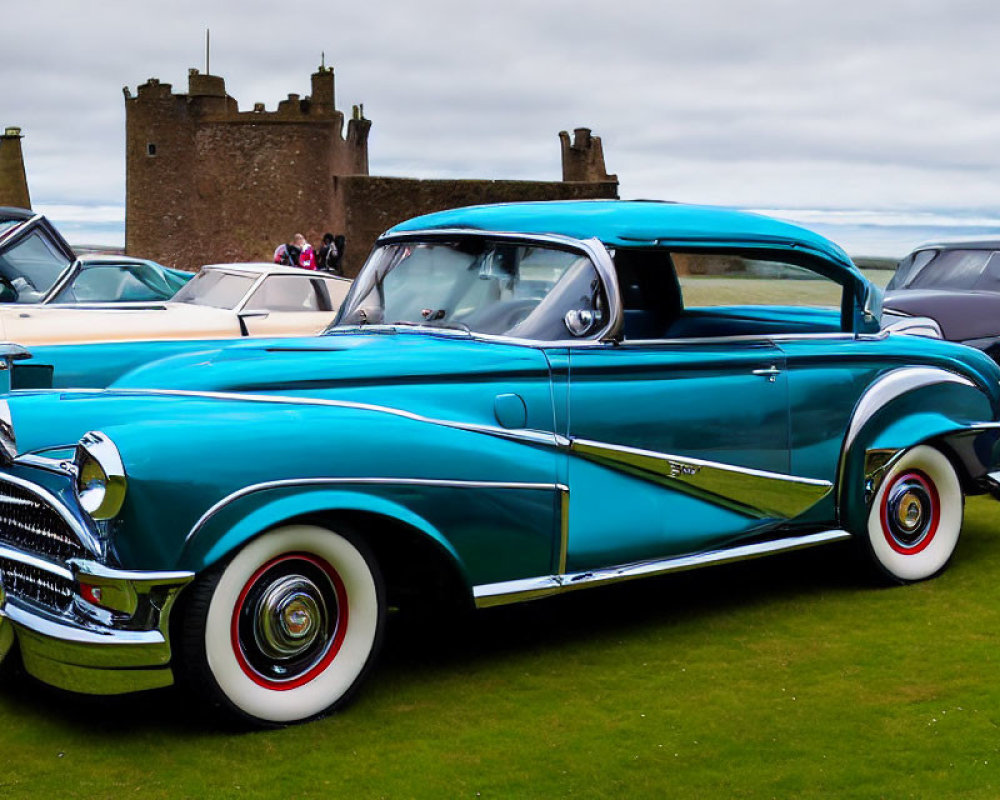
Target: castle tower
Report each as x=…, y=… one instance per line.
x=583, y=160
x=208, y=182
x=13, y=181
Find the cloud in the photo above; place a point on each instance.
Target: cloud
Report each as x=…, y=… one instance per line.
x=893, y=105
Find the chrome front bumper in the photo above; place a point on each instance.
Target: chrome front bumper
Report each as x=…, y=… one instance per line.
x=119, y=646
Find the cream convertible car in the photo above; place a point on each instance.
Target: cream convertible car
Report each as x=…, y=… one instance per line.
x=221, y=301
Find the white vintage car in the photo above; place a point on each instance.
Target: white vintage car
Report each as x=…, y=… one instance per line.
x=222, y=301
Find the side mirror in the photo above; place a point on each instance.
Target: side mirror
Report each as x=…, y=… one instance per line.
x=581, y=321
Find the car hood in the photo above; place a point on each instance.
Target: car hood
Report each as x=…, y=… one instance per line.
x=312, y=366
x=961, y=315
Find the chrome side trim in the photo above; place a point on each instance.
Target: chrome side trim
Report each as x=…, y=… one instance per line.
x=494, y=594
x=87, y=539
x=756, y=493
x=522, y=434
x=456, y=484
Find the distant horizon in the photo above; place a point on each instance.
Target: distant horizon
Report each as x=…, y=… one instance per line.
x=861, y=232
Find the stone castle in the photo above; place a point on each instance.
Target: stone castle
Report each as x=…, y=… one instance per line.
x=207, y=183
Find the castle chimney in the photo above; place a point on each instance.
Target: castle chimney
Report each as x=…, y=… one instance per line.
x=13, y=181
x=322, y=91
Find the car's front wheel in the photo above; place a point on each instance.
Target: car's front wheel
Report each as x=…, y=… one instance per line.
x=287, y=629
x=916, y=516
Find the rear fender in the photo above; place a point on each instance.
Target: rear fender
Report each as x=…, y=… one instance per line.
x=905, y=408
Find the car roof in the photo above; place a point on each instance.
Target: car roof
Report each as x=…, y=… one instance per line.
x=634, y=223
x=268, y=269
x=961, y=244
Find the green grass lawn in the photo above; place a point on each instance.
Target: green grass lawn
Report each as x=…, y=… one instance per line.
x=789, y=677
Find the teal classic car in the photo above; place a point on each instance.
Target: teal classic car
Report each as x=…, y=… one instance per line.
x=514, y=402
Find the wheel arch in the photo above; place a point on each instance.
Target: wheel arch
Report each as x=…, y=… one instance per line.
x=411, y=552
x=904, y=408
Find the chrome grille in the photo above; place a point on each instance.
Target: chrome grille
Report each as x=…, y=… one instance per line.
x=26, y=582
x=33, y=526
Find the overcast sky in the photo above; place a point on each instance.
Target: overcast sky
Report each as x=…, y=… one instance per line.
x=875, y=121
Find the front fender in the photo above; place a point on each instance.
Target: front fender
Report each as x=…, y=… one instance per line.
x=231, y=523
x=904, y=408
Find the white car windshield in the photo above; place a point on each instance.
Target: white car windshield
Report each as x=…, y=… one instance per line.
x=479, y=285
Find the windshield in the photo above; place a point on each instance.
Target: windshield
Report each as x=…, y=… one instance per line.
x=948, y=269
x=102, y=283
x=479, y=285
x=29, y=269
x=216, y=288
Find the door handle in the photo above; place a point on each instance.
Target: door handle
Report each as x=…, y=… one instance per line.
x=770, y=373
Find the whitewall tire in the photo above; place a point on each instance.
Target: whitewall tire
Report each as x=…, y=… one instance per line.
x=916, y=516
x=290, y=625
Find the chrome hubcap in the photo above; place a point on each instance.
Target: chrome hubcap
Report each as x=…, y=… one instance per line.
x=289, y=617
x=909, y=509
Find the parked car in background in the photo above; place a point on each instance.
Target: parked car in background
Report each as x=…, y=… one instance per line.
x=956, y=285
x=515, y=401
x=38, y=266
x=113, y=279
x=221, y=301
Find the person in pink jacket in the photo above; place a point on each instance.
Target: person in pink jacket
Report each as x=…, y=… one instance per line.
x=307, y=256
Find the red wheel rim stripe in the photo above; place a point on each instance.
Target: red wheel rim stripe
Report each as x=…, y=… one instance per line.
x=338, y=637
x=932, y=493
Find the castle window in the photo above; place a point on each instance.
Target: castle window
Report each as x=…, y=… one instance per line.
x=150, y=149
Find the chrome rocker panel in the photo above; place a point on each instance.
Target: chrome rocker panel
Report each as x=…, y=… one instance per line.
x=120, y=648
x=495, y=594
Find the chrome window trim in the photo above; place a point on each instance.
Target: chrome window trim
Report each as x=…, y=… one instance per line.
x=516, y=591
x=344, y=481
x=87, y=539
x=593, y=248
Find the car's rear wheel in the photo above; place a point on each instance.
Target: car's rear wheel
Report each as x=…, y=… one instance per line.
x=287, y=628
x=916, y=517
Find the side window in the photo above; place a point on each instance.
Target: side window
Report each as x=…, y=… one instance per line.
x=702, y=294
x=285, y=293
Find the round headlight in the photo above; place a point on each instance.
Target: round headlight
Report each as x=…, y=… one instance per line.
x=100, y=476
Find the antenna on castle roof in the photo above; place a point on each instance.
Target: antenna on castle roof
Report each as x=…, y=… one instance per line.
x=208, y=40
x=322, y=60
